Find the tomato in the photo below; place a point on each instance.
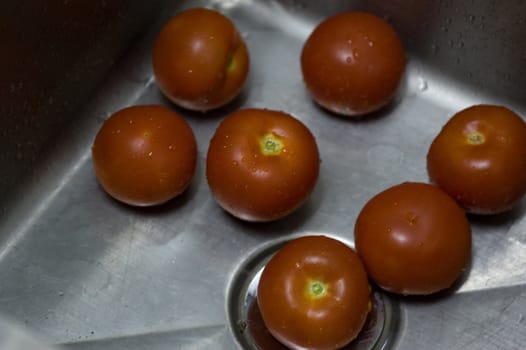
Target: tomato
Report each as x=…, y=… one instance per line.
x=200, y=61
x=479, y=158
x=144, y=155
x=262, y=164
x=413, y=239
x=314, y=294
x=352, y=63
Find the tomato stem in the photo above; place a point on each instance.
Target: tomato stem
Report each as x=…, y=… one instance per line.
x=475, y=138
x=270, y=145
x=231, y=64
x=316, y=289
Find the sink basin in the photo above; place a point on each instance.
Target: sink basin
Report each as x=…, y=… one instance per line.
x=82, y=271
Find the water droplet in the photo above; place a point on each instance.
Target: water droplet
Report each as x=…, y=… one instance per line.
x=448, y=20
x=460, y=44
x=349, y=59
x=190, y=71
x=434, y=48
x=61, y=294
x=471, y=18
x=422, y=84
x=150, y=154
x=411, y=218
x=370, y=43
x=118, y=131
x=235, y=163
x=130, y=121
x=171, y=147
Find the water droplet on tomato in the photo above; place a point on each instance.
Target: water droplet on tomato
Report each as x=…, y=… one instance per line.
x=171, y=147
x=150, y=154
x=235, y=163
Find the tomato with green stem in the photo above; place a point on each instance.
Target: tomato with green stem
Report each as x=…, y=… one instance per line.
x=314, y=294
x=200, y=61
x=262, y=164
x=479, y=158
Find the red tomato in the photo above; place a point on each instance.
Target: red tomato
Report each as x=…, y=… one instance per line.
x=352, y=63
x=314, y=294
x=413, y=239
x=262, y=164
x=479, y=158
x=144, y=155
x=200, y=61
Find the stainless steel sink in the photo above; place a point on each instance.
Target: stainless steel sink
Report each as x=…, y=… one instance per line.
x=79, y=270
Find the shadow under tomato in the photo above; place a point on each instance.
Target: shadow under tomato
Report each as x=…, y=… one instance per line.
x=502, y=219
x=265, y=341
x=381, y=113
x=441, y=294
x=286, y=225
x=159, y=209
x=236, y=104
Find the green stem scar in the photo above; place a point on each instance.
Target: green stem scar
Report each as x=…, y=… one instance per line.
x=231, y=64
x=270, y=145
x=475, y=138
x=316, y=289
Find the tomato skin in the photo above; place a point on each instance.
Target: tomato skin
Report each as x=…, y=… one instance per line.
x=199, y=59
x=301, y=321
x=484, y=177
x=413, y=239
x=352, y=63
x=257, y=187
x=144, y=155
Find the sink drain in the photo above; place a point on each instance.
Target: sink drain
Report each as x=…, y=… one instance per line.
x=250, y=332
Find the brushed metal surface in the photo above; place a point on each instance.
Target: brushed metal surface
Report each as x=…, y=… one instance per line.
x=83, y=271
